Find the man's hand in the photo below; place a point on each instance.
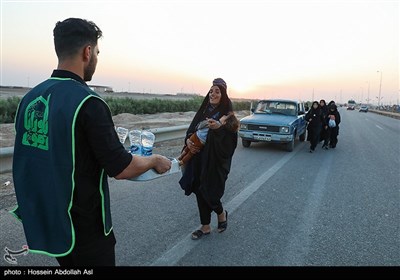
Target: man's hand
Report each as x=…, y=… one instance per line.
x=161, y=164
x=140, y=164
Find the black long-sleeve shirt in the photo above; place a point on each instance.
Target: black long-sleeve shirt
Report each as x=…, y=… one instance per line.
x=96, y=147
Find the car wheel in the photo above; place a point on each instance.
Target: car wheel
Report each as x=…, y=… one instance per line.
x=290, y=145
x=246, y=143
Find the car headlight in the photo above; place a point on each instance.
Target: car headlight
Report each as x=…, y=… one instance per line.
x=284, y=129
x=243, y=126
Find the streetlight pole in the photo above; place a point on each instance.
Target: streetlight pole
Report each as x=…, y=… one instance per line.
x=368, y=93
x=380, y=88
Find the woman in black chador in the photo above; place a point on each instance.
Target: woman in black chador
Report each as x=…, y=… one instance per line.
x=206, y=172
x=324, y=129
x=333, y=121
x=315, y=119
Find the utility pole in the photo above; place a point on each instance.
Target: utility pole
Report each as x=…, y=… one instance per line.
x=380, y=88
x=362, y=95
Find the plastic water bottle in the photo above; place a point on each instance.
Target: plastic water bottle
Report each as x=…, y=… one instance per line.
x=135, y=141
x=122, y=134
x=147, y=143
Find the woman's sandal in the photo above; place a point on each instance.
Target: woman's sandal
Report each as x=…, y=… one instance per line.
x=199, y=234
x=223, y=225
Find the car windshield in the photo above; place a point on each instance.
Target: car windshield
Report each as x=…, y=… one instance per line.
x=276, y=107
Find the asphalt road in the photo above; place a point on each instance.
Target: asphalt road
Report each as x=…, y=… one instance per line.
x=338, y=207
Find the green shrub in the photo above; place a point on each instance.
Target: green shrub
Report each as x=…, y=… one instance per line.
x=151, y=106
x=8, y=109
x=241, y=105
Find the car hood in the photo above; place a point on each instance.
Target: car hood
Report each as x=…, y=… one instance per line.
x=271, y=119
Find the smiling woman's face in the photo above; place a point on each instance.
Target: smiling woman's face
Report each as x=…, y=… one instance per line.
x=215, y=95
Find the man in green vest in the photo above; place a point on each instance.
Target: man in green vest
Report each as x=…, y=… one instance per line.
x=65, y=147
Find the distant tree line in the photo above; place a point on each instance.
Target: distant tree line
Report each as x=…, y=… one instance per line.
x=8, y=107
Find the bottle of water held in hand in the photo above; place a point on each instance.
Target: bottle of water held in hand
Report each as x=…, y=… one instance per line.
x=147, y=143
x=135, y=141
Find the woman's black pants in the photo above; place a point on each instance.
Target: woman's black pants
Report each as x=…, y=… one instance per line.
x=205, y=209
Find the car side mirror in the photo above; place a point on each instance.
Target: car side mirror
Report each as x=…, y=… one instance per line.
x=301, y=113
x=307, y=108
x=252, y=110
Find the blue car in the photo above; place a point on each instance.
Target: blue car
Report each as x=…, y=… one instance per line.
x=276, y=121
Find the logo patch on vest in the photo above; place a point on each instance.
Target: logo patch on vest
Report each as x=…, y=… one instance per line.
x=36, y=124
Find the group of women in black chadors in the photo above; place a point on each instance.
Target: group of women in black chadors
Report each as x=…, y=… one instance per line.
x=323, y=125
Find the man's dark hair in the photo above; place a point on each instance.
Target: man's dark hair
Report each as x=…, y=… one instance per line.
x=73, y=34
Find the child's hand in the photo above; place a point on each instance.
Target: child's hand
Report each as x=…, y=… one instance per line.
x=193, y=149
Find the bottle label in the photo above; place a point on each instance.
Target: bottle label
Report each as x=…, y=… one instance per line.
x=147, y=151
x=135, y=149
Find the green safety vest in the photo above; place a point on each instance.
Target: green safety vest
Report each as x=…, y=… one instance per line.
x=44, y=165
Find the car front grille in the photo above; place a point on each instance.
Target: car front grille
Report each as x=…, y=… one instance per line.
x=260, y=127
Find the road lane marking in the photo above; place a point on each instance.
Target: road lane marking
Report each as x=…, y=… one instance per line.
x=299, y=244
x=378, y=127
x=172, y=256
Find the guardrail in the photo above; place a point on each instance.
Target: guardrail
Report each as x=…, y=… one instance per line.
x=386, y=113
x=162, y=134
x=169, y=133
x=6, y=156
